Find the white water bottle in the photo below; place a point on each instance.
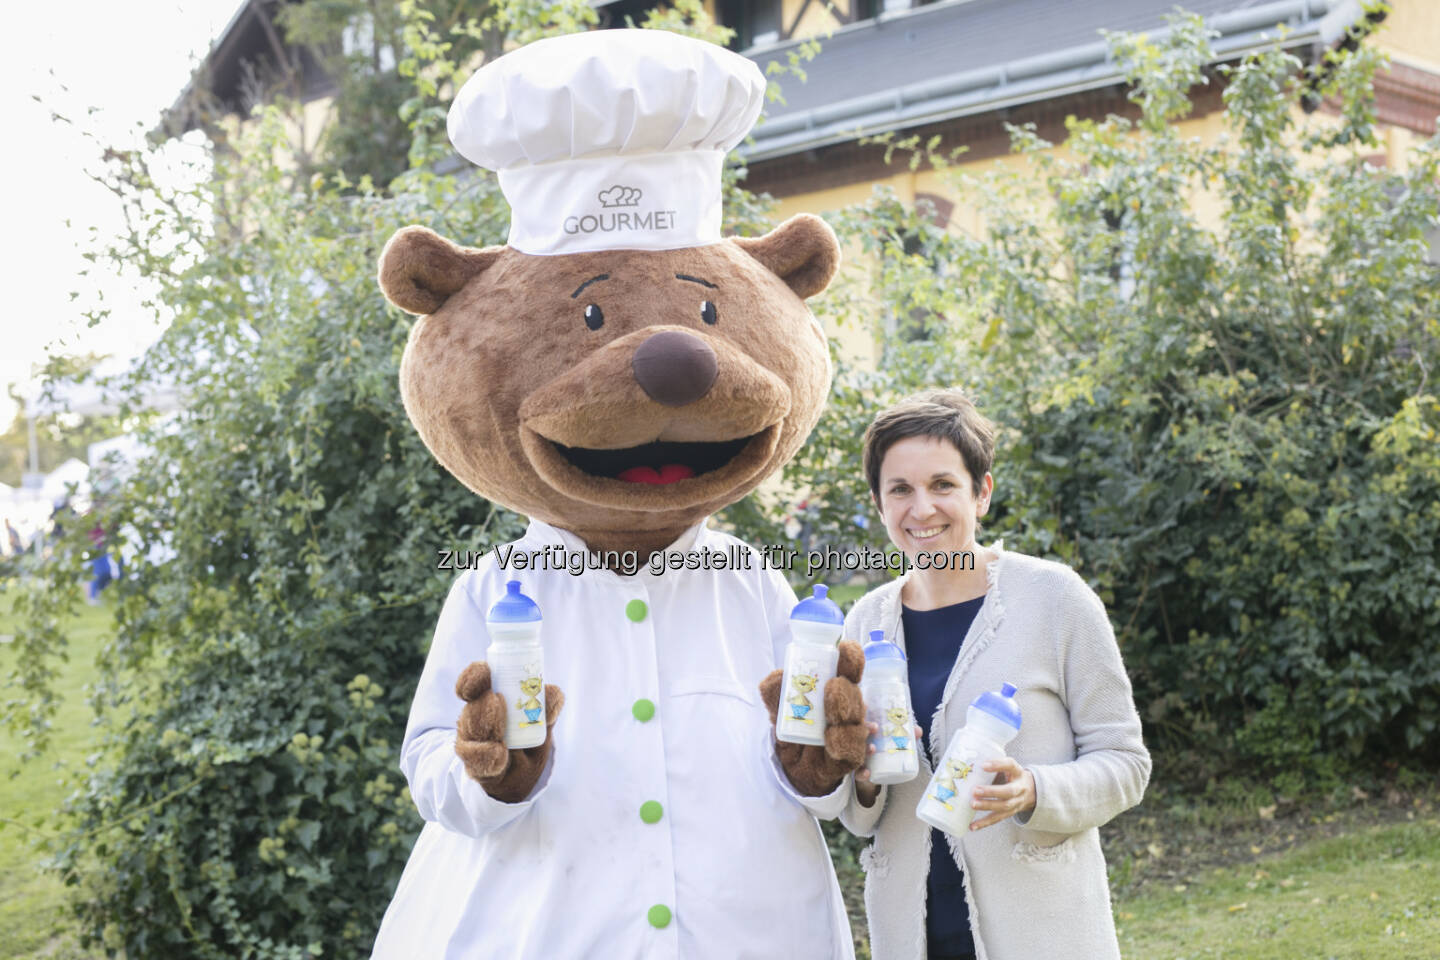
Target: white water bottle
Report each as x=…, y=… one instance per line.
x=517, y=666
x=810, y=660
x=990, y=723
x=885, y=688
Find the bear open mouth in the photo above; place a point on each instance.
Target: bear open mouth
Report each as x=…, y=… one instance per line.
x=656, y=463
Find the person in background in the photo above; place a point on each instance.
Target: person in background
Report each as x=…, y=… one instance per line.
x=99, y=565
x=1028, y=880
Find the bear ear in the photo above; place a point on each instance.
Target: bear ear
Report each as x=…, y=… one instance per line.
x=802, y=251
x=420, y=270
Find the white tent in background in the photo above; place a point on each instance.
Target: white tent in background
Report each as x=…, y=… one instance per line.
x=58, y=481
x=114, y=459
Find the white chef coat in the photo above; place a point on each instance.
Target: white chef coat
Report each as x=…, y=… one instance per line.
x=736, y=857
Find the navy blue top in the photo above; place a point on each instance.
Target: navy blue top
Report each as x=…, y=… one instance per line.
x=932, y=642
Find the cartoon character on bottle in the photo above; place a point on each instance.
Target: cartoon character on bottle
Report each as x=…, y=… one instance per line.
x=529, y=702
x=803, y=683
x=897, y=728
x=945, y=786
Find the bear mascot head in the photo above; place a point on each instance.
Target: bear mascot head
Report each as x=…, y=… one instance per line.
x=618, y=369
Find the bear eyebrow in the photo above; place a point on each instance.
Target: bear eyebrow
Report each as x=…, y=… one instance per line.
x=603, y=276
x=703, y=283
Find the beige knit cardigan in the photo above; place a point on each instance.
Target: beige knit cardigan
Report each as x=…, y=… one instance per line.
x=1037, y=890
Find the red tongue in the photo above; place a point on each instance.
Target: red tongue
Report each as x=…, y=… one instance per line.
x=669, y=473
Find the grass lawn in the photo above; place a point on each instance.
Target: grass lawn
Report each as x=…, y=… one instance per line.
x=1371, y=893
x=32, y=923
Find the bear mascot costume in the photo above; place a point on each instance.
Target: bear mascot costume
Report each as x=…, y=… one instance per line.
x=617, y=372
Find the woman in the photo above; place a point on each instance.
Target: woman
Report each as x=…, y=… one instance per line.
x=1028, y=879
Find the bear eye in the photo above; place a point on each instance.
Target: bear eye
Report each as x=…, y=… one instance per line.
x=594, y=319
x=707, y=312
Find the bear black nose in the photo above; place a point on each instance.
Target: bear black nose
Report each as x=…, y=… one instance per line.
x=674, y=368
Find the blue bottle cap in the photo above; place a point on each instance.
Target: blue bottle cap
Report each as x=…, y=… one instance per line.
x=880, y=649
x=818, y=608
x=1001, y=706
x=514, y=607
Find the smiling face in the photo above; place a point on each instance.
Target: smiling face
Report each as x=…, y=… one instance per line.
x=927, y=499
x=615, y=394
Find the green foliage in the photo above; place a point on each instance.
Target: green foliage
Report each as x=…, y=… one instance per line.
x=1211, y=364
x=58, y=437
x=357, y=43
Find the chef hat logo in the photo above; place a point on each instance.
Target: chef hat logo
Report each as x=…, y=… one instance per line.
x=618, y=196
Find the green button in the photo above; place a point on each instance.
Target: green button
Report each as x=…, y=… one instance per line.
x=650, y=811
x=643, y=709
x=659, y=916
x=636, y=610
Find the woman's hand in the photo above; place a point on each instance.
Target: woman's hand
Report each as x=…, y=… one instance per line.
x=1012, y=792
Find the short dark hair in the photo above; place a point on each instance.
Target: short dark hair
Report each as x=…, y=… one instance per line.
x=944, y=414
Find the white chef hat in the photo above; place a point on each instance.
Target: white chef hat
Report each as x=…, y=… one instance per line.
x=607, y=140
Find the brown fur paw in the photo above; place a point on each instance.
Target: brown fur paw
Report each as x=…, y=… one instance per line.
x=485, y=760
x=813, y=770
x=554, y=700
x=770, y=693
x=507, y=775
x=851, y=664
x=473, y=682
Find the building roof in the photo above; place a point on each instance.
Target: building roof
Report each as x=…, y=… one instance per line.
x=917, y=66
x=962, y=57
x=249, y=57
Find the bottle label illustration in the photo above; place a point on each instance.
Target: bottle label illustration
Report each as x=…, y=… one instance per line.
x=522, y=685
x=802, y=687
x=531, y=689
x=898, y=729
x=950, y=779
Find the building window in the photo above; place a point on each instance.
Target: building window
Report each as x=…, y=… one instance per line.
x=920, y=324
x=1122, y=253
x=756, y=22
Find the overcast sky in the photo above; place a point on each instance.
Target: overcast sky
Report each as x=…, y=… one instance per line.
x=130, y=60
